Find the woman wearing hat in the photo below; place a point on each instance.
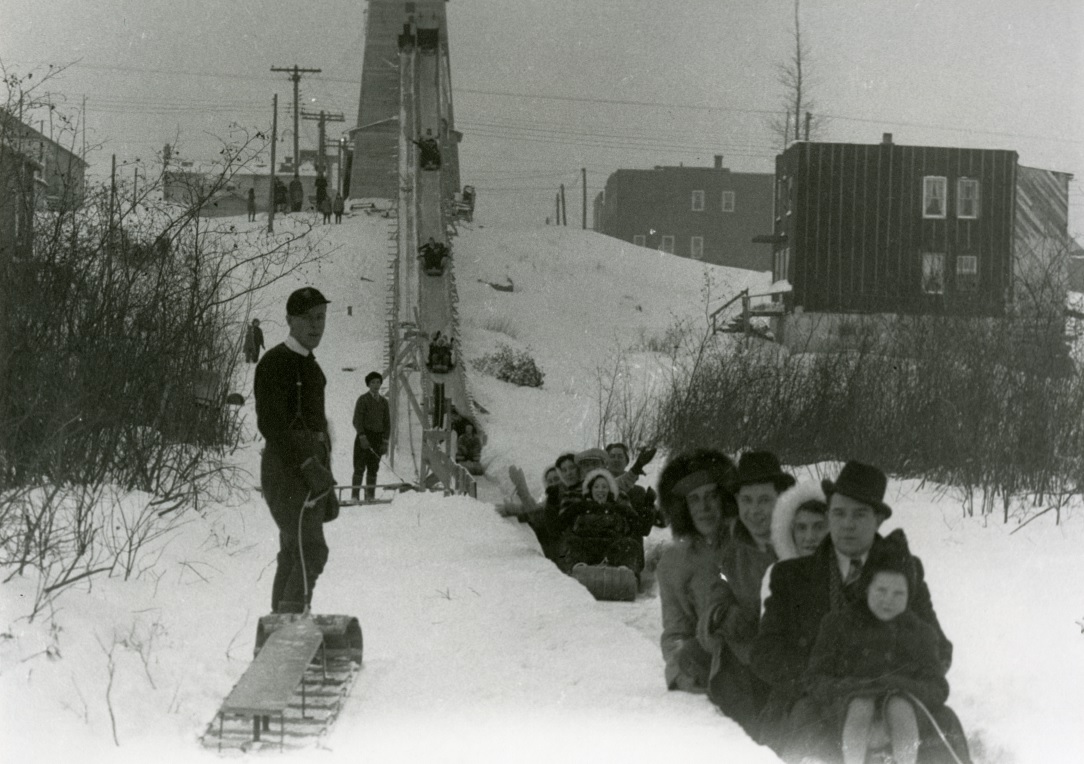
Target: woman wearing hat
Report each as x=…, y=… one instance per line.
x=728, y=619
x=694, y=490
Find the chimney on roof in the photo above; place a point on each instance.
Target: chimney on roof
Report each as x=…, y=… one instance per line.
x=718, y=161
x=886, y=139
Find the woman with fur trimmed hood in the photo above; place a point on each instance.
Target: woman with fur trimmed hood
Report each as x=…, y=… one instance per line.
x=600, y=528
x=799, y=525
x=694, y=492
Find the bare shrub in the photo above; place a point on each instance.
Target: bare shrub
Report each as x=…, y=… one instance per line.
x=118, y=347
x=507, y=364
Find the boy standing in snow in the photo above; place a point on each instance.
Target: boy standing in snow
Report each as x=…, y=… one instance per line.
x=372, y=421
x=874, y=660
x=295, y=467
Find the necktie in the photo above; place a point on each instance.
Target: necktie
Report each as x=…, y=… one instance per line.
x=854, y=571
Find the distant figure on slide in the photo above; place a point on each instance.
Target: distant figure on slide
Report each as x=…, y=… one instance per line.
x=282, y=197
x=429, y=158
x=433, y=255
x=468, y=450
x=325, y=209
x=250, y=203
x=441, y=359
x=337, y=207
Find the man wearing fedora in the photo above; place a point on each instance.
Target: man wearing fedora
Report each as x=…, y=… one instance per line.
x=802, y=590
x=295, y=466
x=728, y=619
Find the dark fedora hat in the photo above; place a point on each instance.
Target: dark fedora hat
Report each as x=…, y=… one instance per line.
x=762, y=467
x=861, y=482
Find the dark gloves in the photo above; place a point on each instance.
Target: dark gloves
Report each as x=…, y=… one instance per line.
x=738, y=625
x=645, y=456
x=318, y=478
x=694, y=661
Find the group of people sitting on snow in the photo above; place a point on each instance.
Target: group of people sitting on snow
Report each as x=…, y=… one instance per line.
x=592, y=512
x=783, y=603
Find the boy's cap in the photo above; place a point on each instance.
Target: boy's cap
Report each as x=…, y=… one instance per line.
x=303, y=300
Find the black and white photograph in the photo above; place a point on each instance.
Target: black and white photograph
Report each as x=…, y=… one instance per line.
x=542, y=381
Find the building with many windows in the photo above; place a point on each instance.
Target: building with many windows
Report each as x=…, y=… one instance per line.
x=886, y=228
x=703, y=213
x=897, y=230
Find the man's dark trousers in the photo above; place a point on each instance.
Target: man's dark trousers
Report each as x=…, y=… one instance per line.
x=367, y=462
x=285, y=491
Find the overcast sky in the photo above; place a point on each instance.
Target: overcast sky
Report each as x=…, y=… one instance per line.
x=544, y=87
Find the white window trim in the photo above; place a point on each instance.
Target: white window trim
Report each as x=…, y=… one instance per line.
x=639, y=239
x=693, y=241
x=972, y=260
x=664, y=242
x=926, y=196
x=698, y=201
x=727, y=196
x=960, y=198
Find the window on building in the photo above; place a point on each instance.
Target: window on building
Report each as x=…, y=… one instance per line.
x=698, y=201
x=967, y=198
x=696, y=247
x=933, y=196
x=638, y=239
x=967, y=273
x=667, y=244
x=933, y=272
x=728, y=201
x=781, y=265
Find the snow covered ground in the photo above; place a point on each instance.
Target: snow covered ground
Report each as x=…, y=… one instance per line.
x=476, y=647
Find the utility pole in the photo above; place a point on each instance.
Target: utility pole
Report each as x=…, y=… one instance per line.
x=557, y=209
x=323, y=118
x=583, y=179
x=808, y=119
x=564, y=211
x=295, y=77
x=274, y=140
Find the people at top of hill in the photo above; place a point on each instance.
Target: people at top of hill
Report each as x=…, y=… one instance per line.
x=598, y=527
x=729, y=616
x=874, y=661
x=695, y=493
x=805, y=589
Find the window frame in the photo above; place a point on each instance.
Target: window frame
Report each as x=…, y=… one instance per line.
x=723, y=206
x=663, y=244
x=927, y=197
x=698, y=195
x=976, y=199
x=639, y=240
x=693, y=240
x=928, y=272
x=967, y=280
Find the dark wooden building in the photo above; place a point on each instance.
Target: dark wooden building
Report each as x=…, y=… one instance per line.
x=703, y=213
x=886, y=228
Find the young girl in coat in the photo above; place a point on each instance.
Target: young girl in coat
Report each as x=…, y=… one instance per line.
x=875, y=661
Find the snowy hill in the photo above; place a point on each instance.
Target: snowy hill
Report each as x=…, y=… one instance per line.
x=476, y=647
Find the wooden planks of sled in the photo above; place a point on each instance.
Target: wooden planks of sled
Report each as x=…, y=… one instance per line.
x=267, y=685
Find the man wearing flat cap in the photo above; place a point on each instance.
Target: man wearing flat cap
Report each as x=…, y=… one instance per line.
x=802, y=590
x=295, y=467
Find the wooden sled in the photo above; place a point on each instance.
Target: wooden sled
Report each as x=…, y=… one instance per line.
x=607, y=583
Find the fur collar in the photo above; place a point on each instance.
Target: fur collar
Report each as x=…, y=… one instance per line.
x=786, y=506
x=614, y=494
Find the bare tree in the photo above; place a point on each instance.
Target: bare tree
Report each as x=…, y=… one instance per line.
x=798, y=119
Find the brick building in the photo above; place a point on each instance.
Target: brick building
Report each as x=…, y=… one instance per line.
x=703, y=213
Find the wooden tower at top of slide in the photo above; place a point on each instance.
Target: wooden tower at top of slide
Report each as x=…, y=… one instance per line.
x=374, y=173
